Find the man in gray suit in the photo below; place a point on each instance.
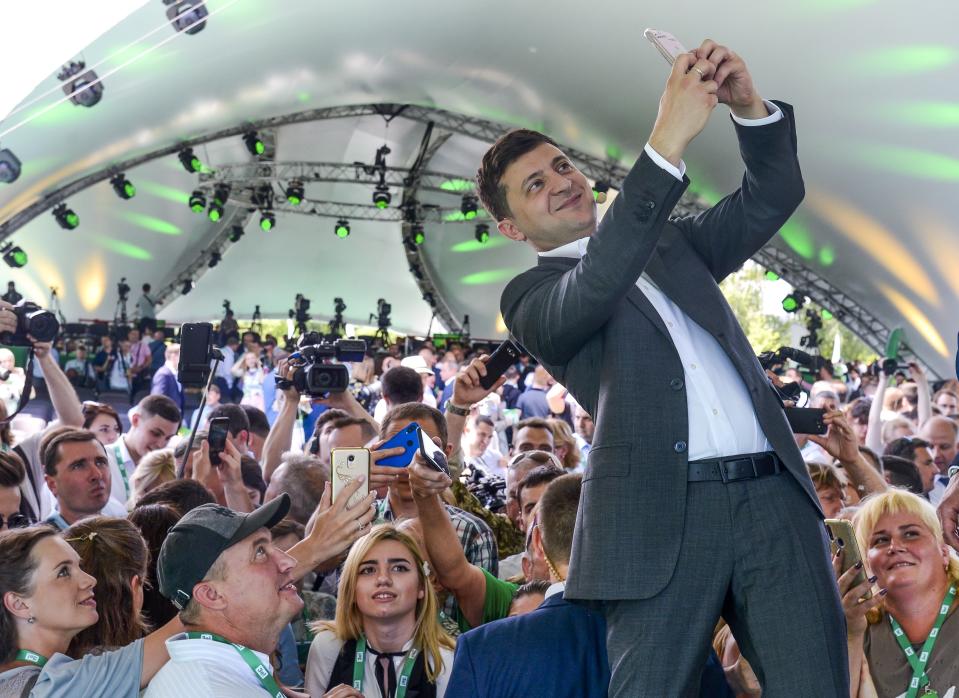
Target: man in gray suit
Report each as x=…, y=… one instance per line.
x=696, y=502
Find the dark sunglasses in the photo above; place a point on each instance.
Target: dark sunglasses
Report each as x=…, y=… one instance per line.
x=15, y=521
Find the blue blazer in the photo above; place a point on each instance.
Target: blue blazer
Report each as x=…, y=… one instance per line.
x=556, y=651
x=165, y=383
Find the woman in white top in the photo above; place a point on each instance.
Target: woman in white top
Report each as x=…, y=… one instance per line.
x=386, y=626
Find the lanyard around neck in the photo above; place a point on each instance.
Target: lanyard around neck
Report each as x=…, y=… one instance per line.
x=122, y=466
x=918, y=664
x=264, y=675
x=32, y=657
x=359, y=669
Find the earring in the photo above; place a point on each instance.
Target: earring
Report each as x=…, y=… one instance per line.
x=31, y=620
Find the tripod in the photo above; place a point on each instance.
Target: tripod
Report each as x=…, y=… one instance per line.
x=120, y=312
x=54, y=306
x=256, y=325
x=337, y=326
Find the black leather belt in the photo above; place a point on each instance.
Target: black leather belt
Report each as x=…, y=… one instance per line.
x=733, y=468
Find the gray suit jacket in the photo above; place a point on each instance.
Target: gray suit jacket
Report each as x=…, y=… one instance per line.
x=586, y=321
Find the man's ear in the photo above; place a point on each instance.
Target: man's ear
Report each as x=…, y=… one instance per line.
x=206, y=594
x=536, y=543
x=508, y=228
x=134, y=420
x=51, y=484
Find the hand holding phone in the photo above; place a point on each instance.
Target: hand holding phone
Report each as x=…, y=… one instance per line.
x=506, y=355
x=219, y=429
x=432, y=454
x=843, y=536
x=667, y=44
x=347, y=464
x=406, y=439
x=806, y=420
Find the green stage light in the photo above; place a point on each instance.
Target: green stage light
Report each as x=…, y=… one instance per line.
x=66, y=217
x=197, y=201
x=419, y=235
x=123, y=187
x=14, y=256
x=342, y=229
x=267, y=221
x=381, y=196
x=191, y=163
x=600, y=191
x=295, y=193
x=826, y=315
x=254, y=144
x=468, y=207
x=482, y=233
x=772, y=276
x=794, y=302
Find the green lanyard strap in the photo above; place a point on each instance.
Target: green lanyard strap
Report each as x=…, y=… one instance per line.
x=264, y=675
x=918, y=664
x=359, y=669
x=122, y=466
x=32, y=657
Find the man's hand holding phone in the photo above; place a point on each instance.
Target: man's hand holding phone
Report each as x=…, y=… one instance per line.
x=426, y=481
x=685, y=106
x=467, y=386
x=840, y=440
x=384, y=475
x=228, y=470
x=735, y=84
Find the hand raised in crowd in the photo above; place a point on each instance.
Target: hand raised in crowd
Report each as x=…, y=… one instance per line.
x=335, y=525
x=916, y=373
x=229, y=470
x=840, y=440
x=467, y=390
x=685, y=106
x=854, y=605
x=343, y=691
x=735, y=84
x=40, y=349
x=948, y=511
x=383, y=475
x=425, y=481
x=284, y=371
x=8, y=318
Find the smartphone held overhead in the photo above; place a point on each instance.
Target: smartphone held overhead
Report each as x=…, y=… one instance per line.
x=219, y=429
x=667, y=44
x=347, y=465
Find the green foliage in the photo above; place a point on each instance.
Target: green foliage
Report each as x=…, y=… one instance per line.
x=744, y=293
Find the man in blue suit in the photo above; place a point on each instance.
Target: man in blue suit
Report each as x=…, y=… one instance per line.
x=559, y=649
x=164, y=380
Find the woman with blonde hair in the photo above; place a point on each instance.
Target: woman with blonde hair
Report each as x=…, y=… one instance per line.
x=903, y=638
x=249, y=369
x=154, y=469
x=386, y=635
x=564, y=444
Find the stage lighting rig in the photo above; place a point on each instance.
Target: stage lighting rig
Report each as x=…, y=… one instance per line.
x=14, y=256
x=267, y=220
x=482, y=233
x=342, y=228
x=381, y=195
x=9, y=166
x=187, y=16
x=254, y=143
x=188, y=286
x=236, y=232
x=82, y=87
x=295, y=193
x=468, y=207
x=66, y=217
x=794, y=302
x=191, y=163
x=197, y=201
x=221, y=195
x=418, y=234
x=123, y=187
x=215, y=258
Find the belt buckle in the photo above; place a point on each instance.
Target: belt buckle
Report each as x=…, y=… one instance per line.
x=739, y=472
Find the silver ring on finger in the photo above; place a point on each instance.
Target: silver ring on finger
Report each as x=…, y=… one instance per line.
x=702, y=75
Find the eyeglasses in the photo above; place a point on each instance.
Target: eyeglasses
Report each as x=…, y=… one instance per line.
x=15, y=521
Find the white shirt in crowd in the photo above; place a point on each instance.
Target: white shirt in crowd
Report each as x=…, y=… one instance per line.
x=722, y=420
x=206, y=668
x=118, y=455
x=146, y=307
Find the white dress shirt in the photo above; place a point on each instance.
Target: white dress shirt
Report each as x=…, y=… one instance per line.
x=722, y=420
x=118, y=491
x=206, y=668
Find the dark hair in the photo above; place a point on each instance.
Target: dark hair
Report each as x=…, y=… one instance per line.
x=537, y=586
x=415, y=412
x=12, y=470
x=51, y=454
x=507, y=149
x=328, y=416
x=6, y=434
x=146, y=287
x=557, y=516
x=367, y=431
x=903, y=473
x=154, y=522
x=259, y=424
x=401, y=385
x=534, y=423
x=859, y=409
x=92, y=410
x=237, y=416
x=286, y=527
x=303, y=478
x=483, y=419
x=112, y=551
x=16, y=575
x=182, y=495
x=252, y=476
x=871, y=456
x=905, y=447
x=159, y=406
x=181, y=447
x=540, y=475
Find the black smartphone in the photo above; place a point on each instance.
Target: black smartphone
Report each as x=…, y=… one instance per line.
x=196, y=343
x=505, y=356
x=806, y=420
x=433, y=454
x=219, y=429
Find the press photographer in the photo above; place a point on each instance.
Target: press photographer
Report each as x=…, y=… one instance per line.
x=28, y=325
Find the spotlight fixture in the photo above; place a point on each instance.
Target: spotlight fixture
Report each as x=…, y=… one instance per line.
x=381, y=195
x=191, y=163
x=482, y=233
x=215, y=258
x=236, y=232
x=14, y=256
x=295, y=193
x=267, y=220
x=254, y=143
x=123, y=186
x=220, y=196
x=66, y=217
x=794, y=302
x=342, y=229
x=600, y=188
x=197, y=201
x=9, y=166
x=188, y=286
x=419, y=235
x=468, y=207
x=771, y=275
x=188, y=16
x=82, y=87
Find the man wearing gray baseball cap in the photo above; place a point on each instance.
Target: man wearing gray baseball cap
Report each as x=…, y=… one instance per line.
x=235, y=591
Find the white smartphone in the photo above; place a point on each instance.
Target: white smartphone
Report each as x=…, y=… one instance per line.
x=347, y=465
x=667, y=44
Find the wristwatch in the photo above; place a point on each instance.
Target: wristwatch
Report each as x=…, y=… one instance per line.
x=457, y=410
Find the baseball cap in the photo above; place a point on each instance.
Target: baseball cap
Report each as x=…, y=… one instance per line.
x=196, y=541
x=417, y=363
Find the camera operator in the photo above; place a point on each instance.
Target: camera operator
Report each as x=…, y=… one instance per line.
x=228, y=325
x=12, y=296
x=146, y=309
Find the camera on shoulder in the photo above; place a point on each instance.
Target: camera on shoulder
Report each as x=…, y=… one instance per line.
x=318, y=367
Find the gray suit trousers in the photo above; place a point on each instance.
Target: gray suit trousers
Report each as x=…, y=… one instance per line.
x=757, y=553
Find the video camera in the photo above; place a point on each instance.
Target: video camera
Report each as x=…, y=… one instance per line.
x=34, y=321
x=770, y=360
x=123, y=288
x=315, y=372
x=301, y=307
